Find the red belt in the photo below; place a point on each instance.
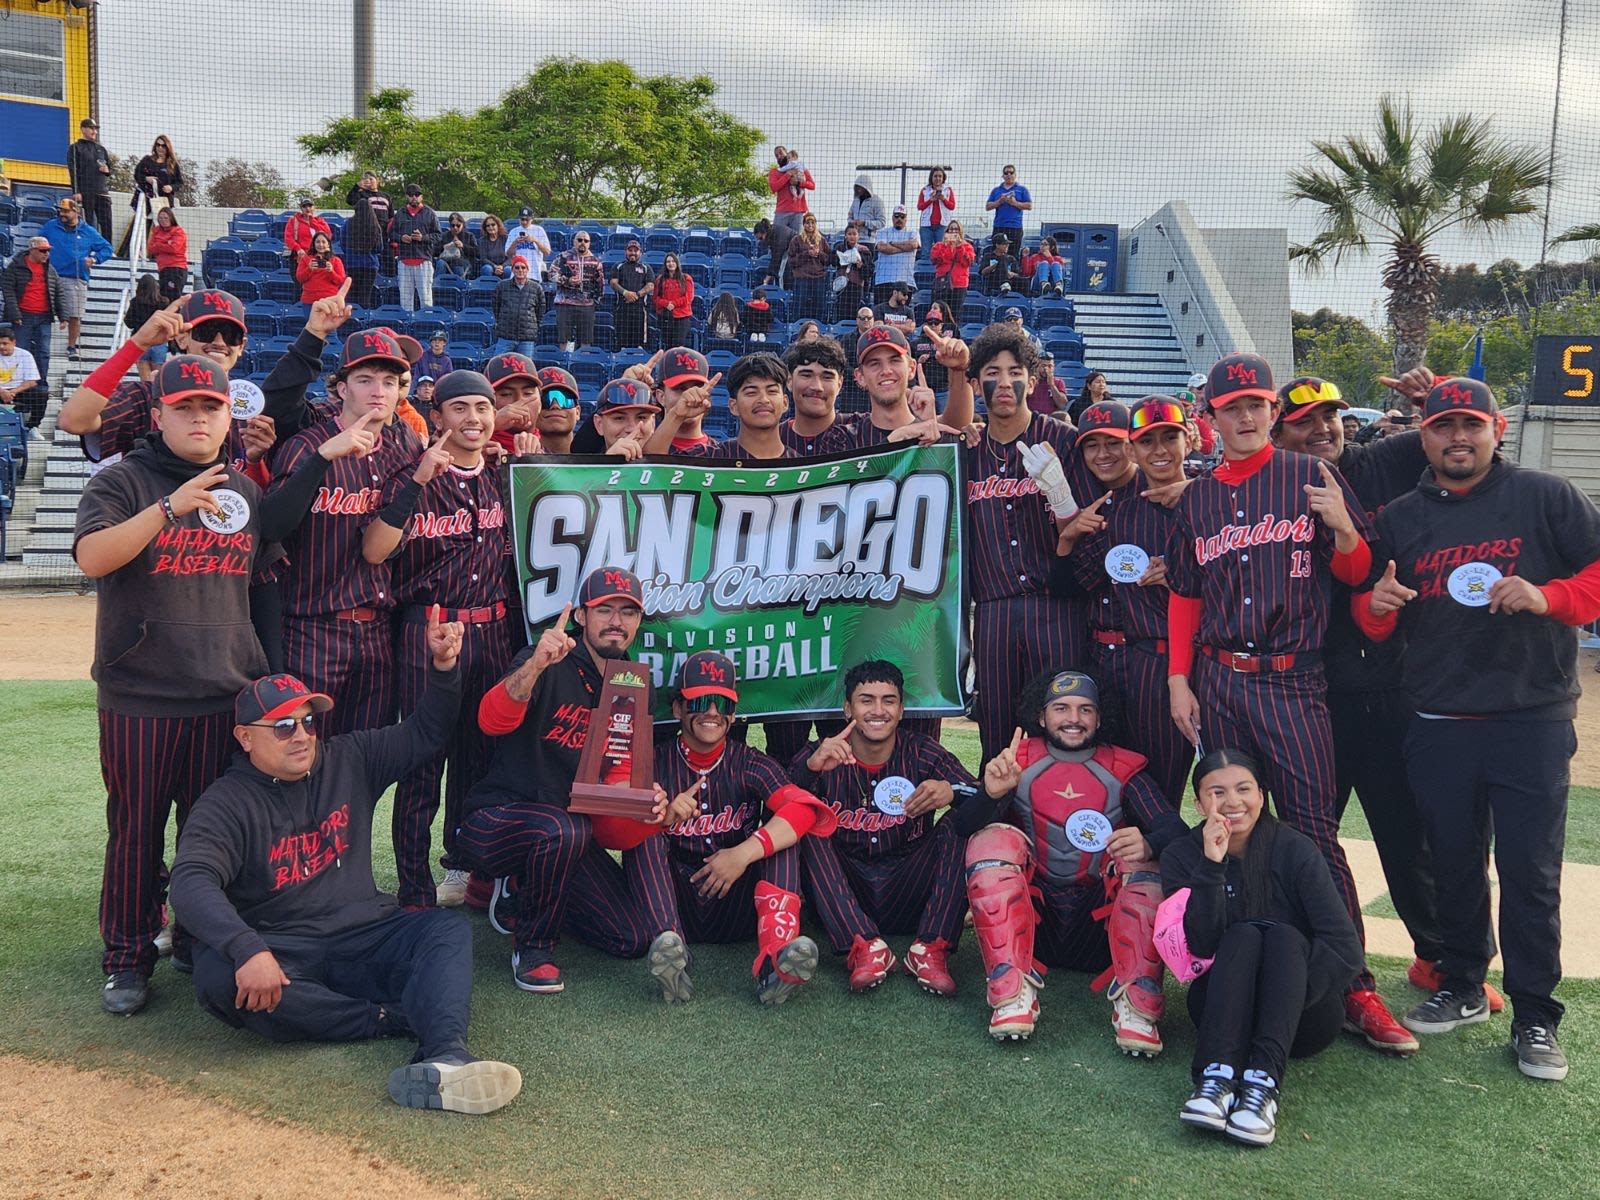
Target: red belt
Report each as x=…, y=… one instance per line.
x=1109, y=637
x=467, y=616
x=1115, y=637
x=1256, y=664
x=360, y=615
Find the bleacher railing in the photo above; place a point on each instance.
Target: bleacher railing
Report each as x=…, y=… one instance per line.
x=136, y=255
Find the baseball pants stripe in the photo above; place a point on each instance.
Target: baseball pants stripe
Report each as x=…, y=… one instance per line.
x=919, y=892
x=352, y=661
x=1138, y=677
x=675, y=903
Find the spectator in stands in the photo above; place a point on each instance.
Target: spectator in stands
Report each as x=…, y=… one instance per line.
x=20, y=385
x=1013, y=318
x=580, y=282
x=1046, y=269
x=304, y=225
x=320, y=273
x=159, y=175
x=897, y=310
x=774, y=239
x=434, y=361
x=809, y=259
x=89, y=175
x=895, y=254
x=866, y=210
x=723, y=320
x=32, y=291
x=75, y=248
x=1049, y=395
x=633, y=282
x=422, y=395
x=1352, y=427
x=366, y=194
x=935, y=203
x=415, y=233
x=758, y=315
x=1095, y=389
x=169, y=247
x=518, y=307
x=146, y=301
x=789, y=181
x=492, y=247
x=528, y=240
x=952, y=267
x=363, y=250
x=1000, y=271
x=1008, y=202
x=807, y=331
x=938, y=322
x=853, y=263
x=458, y=249
x=674, y=300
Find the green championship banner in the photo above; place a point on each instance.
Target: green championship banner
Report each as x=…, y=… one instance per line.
x=795, y=569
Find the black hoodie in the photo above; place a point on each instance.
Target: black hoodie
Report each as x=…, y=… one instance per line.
x=262, y=858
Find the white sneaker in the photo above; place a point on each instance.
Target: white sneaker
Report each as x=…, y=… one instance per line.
x=163, y=942
x=1254, y=1117
x=1016, y=1019
x=452, y=893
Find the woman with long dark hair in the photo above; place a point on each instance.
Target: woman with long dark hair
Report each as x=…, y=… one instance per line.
x=146, y=301
x=1095, y=389
x=674, y=301
x=492, y=247
x=169, y=247
x=1252, y=911
x=159, y=175
x=363, y=244
x=936, y=203
x=810, y=256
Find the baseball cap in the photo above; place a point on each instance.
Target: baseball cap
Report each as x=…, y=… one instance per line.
x=184, y=375
x=456, y=384
x=1155, y=412
x=707, y=673
x=1110, y=417
x=373, y=345
x=681, y=365
x=622, y=394
x=88, y=123
x=881, y=335
x=275, y=696
x=526, y=212
x=633, y=244
x=422, y=379
x=413, y=189
x=212, y=304
x=438, y=335
x=899, y=210
x=559, y=387
x=1239, y=375
x=610, y=583
x=307, y=202
x=1013, y=314
x=66, y=204
x=503, y=368
x=1299, y=396
x=409, y=346
x=1459, y=395
x=1197, y=381
x=1073, y=683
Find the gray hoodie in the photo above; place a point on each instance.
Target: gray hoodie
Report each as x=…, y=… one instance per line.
x=868, y=212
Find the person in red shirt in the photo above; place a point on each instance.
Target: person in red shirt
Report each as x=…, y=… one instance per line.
x=789, y=181
x=302, y=228
x=321, y=272
x=952, y=267
x=169, y=246
x=674, y=301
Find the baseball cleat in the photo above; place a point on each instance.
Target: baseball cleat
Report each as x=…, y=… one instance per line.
x=669, y=966
x=1427, y=977
x=452, y=893
x=1365, y=1013
x=1016, y=1019
x=869, y=963
x=797, y=963
x=536, y=976
x=929, y=964
x=125, y=993
x=1136, y=1033
x=474, y=1086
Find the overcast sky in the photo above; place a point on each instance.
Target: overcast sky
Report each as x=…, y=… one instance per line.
x=1108, y=109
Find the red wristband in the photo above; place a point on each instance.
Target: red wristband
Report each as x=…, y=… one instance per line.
x=104, y=379
x=767, y=848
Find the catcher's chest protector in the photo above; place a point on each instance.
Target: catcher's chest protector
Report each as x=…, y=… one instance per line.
x=1056, y=785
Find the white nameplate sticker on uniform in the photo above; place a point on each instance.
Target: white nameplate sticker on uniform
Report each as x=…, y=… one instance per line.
x=1088, y=830
x=1470, y=583
x=1126, y=563
x=235, y=514
x=891, y=794
x=248, y=400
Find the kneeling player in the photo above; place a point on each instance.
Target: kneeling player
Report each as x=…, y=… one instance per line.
x=889, y=868
x=1066, y=801
x=722, y=874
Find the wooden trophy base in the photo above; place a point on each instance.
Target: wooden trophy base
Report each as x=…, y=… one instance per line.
x=605, y=800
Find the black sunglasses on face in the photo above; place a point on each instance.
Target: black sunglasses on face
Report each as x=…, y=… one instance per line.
x=283, y=728
x=208, y=331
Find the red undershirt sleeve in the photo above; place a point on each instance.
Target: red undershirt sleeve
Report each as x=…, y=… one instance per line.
x=621, y=833
x=1379, y=629
x=498, y=713
x=1351, y=569
x=1575, y=600
x=1183, y=626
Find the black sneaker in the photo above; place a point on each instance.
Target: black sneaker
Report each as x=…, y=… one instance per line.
x=1212, y=1100
x=1538, y=1053
x=125, y=993
x=1254, y=1117
x=1446, y=1010
x=539, y=975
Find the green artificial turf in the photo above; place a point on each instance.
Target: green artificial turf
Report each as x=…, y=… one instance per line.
x=890, y=1094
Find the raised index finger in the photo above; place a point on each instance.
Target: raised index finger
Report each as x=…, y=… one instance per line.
x=1327, y=473
x=847, y=730
x=433, y=616
x=1016, y=740
x=344, y=290
x=566, y=615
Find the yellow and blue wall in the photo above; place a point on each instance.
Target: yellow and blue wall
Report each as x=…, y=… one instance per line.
x=35, y=132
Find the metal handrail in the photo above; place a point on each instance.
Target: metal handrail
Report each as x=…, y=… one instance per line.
x=136, y=254
x=1193, y=293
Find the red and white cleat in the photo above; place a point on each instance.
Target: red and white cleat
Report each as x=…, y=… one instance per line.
x=869, y=963
x=1016, y=1019
x=1365, y=1013
x=929, y=964
x=1136, y=1033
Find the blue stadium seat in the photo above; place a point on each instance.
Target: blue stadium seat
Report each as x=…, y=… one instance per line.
x=435, y=316
x=279, y=287
x=699, y=241
x=733, y=274
x=479, y=291
x=388, y=314
x=467, y=356
x=275, y=348
x=777, y=337
x=618, y=239
x=738, y=245
x=35, y=213
x=721, y=360
x=590, y=367
x=449, y=291
x=976, y=310
x=292, y=318
x=21, y=233
x=265, y=254
x=1065, y=344
x=970, y=331
x=5, y=243
x=331, y=352
x=719, y=422
x=388, y=289
x=1053, y=314
x=317, y=389
x=548, y=350
x=278, y=225
x=663, y=240
x=1007, y=300
x=10, y=211
x=473, y=331
x=734, y=346
x=261, y=319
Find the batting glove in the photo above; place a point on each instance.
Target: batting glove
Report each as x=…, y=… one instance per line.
x=1044, y=468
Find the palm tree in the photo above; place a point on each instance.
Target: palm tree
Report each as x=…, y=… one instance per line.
x=1406, y=189
x=1589, y=233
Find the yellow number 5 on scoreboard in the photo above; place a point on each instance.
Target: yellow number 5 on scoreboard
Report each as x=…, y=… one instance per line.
x=1586, y=388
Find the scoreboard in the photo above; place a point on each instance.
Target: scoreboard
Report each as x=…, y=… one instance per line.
x=1565, y=368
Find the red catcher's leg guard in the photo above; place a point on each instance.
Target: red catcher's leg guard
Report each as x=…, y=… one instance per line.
x=999, y=867
x=1136, y=968
x=777, y=923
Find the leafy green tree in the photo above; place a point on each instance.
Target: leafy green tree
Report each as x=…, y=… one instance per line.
x=235, y=183
x=1346, y=350
x=575, y=138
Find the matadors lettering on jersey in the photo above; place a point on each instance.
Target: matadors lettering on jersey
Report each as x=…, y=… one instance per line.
x=1265, y=531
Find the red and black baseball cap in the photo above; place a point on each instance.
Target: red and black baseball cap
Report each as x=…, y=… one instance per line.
x=184, y=375
x=881, y=335
x=503, y=368
x=1155, y=412
x=610, y=583
x=681, y=365
x=1239, y=375
x=409, y=346
x=708, y=673
x=1459, y=395
x=373, y=346
x=212, y=304
x=276, y=696
x=559, y=387
x=1300, y=395
x=1109, y=417
x=622, y=394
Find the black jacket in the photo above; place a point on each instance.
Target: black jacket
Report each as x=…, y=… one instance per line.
x=83, y=167
x=15, y=279
x=424, y=221
x=518, y=311
x=152, y=176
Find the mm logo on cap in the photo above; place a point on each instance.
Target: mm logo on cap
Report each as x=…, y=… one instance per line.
x=616, y=579
x=508, y=362
x=1240, y=373
x=197, y=373
x=688, y=361
x=1097, y=416
x=714, y=671
x=216, y=300
x=1456, y=396
x=878, y=333
x=375, y=341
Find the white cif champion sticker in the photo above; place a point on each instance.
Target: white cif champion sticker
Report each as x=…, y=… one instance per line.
x=1469, y=583
x=1088, y=830
x=1126, y=563
x=892, y=793
x=235, y=514
x=248, y=399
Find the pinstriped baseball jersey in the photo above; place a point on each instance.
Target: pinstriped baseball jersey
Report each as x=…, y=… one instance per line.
x=1013, y=534
x=326, y=573
x=126, y=419
x=1256, y=555
x=852, y=433
x=802, y=446
x=729, y=450
x=1131, y=520
x=865, y=831
x=455, y=542
x=733, y=797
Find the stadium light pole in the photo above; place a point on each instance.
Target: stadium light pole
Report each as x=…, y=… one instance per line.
x=365, y=21
x=904, y=168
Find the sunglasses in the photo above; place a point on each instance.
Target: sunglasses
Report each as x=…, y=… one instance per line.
x=283, y=728
x=559, y=398
x=1156, y=413
x=208, y=331
x=1313, y=391
x=701, y=704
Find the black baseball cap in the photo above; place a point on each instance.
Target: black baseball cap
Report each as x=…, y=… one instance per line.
x=1459, y=395
x=526, y=212
x=1155, y=412
x=1109, y=417
x=373, y=345
x=212, y=304
x=413, y=189
x=881, y=335
x=184, y=375
x=1239, y=375
x=503, y=368
x=558, y=385
x=681, y=365
x=456, y=384
x=622, y=394
x=273, y=697
x=610, y=583
x=708, y=673
x=307, y=202
x=409, y=346
x=1300, y=395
